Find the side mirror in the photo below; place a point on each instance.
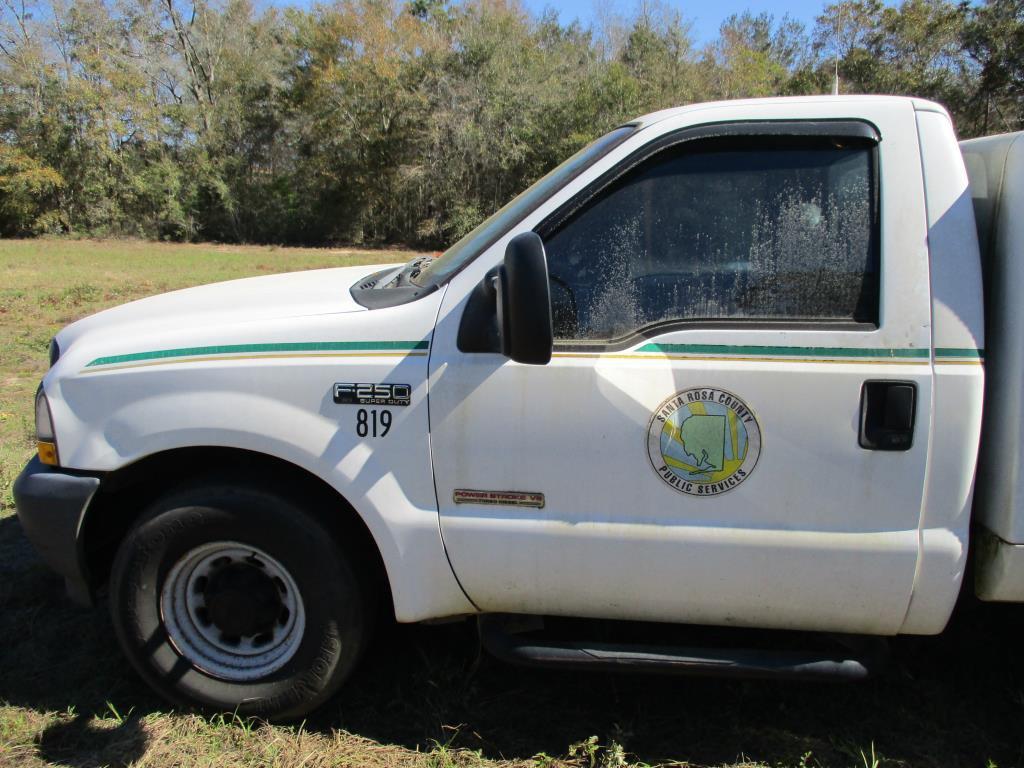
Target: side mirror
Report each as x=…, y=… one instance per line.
x=524, y=301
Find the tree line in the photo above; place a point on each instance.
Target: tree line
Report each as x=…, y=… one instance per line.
x=408, y=121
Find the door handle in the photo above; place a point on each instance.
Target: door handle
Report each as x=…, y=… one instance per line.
x=887, y=410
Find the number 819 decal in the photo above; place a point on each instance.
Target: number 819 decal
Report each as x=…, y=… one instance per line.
x=373, y=423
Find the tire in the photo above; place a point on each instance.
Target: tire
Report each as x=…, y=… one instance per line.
x=234, y=598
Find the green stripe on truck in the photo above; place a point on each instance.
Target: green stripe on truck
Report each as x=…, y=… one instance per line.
x=975, y=354
x=233, y=349
x=769, y=351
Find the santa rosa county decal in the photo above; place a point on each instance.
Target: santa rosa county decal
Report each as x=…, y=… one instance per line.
x=704, y=441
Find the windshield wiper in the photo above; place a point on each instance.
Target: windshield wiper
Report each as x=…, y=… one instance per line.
x=404, y=276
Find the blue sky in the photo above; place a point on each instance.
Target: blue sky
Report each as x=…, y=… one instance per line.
x=706, y=17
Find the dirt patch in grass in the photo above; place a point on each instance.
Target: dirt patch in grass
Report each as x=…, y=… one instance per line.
x=428, y=696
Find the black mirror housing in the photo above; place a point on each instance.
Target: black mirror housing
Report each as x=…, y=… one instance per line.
x=509, y=312
x=523, y=297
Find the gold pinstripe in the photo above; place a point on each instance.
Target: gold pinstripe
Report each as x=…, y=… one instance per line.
x=726, y=358
x=270, y=356
x=565, y=355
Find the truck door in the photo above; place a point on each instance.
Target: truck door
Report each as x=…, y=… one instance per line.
x=734, y=426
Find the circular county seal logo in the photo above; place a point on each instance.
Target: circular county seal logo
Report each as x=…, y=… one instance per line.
x=704, y=442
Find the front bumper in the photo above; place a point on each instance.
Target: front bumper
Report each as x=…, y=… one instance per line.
x=51, y=504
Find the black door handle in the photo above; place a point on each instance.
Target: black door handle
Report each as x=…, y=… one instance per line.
x=887, y=410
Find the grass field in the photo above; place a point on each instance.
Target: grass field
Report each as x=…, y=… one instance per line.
x=427, y=696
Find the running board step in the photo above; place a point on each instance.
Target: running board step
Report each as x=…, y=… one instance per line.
x=856, y=658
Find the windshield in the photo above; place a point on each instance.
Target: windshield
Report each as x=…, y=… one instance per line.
x=493, y=228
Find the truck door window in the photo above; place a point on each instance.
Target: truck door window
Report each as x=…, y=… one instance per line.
x=737, y=228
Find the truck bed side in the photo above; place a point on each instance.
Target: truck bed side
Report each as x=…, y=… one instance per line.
x=995, y=167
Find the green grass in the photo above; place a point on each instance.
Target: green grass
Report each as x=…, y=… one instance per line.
x=427, y=696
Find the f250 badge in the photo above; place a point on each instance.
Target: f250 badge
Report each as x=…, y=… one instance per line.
x=703, y=441
x=372, y=394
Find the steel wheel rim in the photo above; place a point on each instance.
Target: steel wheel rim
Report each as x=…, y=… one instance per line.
x=183, y=610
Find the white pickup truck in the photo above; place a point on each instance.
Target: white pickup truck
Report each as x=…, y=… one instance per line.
x=725, y=366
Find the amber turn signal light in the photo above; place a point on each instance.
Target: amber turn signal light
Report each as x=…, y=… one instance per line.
x=47, y=453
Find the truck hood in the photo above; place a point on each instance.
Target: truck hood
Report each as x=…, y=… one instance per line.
x=251, y=299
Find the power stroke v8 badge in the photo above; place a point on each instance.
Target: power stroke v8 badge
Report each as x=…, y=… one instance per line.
x=704, y=441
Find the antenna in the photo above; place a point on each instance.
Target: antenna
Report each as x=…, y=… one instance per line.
x=835, y=78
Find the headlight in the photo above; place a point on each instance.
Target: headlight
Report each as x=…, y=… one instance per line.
x=46, y=438
x=54, y=351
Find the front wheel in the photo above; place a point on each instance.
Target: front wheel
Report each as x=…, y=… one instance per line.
x=238, y=599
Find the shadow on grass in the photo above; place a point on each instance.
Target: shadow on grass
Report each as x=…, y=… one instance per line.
x=957, y=700
x=55, y=656
x=81, y=742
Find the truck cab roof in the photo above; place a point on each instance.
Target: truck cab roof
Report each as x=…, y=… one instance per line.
x=757, y=105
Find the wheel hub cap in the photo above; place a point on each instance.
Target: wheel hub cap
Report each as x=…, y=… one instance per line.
x=232, y=610
x=242, y=600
